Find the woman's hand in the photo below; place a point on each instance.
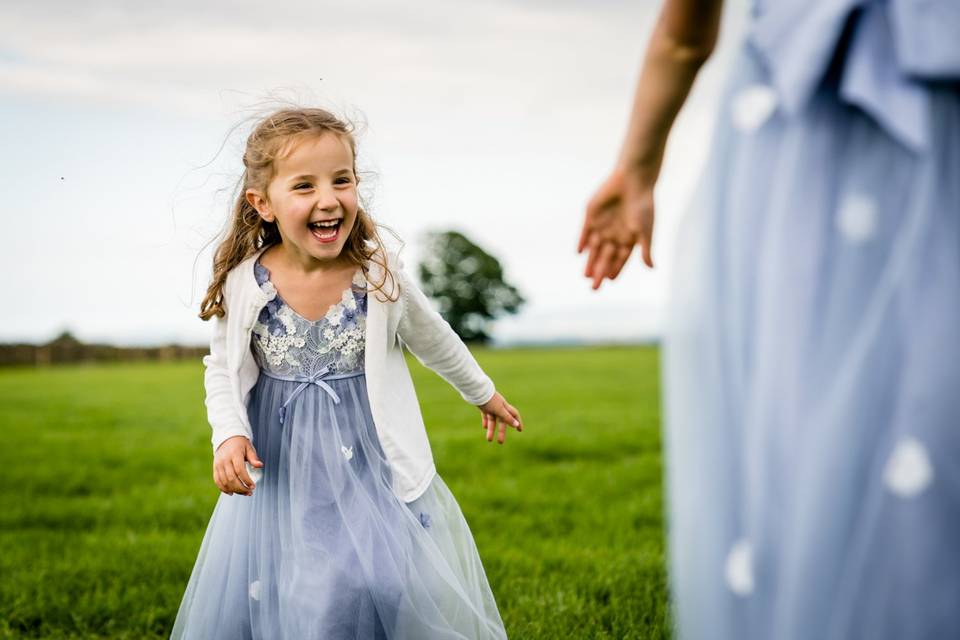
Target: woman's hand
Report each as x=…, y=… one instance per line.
x=229, y=470
x=498, y=409
x=619, y=216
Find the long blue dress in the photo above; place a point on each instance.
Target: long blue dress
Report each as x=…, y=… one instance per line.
x=812, y=349
x=324, y=549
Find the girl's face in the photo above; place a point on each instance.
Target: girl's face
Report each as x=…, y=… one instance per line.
x=312, y=198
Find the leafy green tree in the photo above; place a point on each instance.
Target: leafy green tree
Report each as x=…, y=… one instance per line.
x=467, y=283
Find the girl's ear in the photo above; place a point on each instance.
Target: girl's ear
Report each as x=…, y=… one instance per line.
x=257, y=200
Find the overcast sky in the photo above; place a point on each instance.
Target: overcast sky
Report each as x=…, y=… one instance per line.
x=494, y=118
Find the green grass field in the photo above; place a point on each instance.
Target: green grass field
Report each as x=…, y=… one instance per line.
x=107, y=492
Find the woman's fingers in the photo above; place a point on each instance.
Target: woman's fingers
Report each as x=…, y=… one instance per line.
x=602, y=269
x=644, y=219
x=619, y=217
x=606, y=196
x=616, y=265
x=595, y=243
x=645, y=252
x=584, y=233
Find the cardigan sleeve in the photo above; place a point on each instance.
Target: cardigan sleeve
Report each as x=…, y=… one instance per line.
x=219, y=401
x=437, y=346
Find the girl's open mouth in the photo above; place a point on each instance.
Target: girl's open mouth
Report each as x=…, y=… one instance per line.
x=325, y=230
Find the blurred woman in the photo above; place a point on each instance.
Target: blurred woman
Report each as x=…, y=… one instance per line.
x=812, y=348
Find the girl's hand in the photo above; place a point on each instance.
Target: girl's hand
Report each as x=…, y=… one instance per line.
x=619, y=216
x=229, y=470
x=497, y=408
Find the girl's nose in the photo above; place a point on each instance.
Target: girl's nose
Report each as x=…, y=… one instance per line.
x=327, y=200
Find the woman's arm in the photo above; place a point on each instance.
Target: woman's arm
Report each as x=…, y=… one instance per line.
x=620, y=215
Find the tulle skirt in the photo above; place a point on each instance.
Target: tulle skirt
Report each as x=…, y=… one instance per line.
x=324, y=549
x=812, y=377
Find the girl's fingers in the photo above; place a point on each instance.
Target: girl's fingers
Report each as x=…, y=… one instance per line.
x=233, y=476
x=252, y=456
x=502, y=416
x=516, y=417
x=241, y=472
x=240, y=487
x=222, y=480
x=509, y=416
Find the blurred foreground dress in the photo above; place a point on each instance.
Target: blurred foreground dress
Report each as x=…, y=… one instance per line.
x=324, y=550
x=812, y=354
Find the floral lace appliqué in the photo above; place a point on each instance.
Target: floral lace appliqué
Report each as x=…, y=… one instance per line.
x=286, y=343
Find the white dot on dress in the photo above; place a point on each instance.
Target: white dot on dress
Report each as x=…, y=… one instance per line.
x=347, y=452
x=908, y=471
x=752, y=107
x=739, y=568
x=255, y=589
x=857, y=218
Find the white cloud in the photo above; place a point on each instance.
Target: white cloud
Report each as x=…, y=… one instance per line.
x=497, y=118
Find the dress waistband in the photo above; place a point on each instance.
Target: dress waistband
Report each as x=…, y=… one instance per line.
x=319, y=378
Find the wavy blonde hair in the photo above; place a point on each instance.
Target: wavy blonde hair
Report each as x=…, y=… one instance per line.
x=272, y=137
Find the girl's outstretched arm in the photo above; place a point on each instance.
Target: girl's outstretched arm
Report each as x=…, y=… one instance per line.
x=620, y=214
x=437, y=346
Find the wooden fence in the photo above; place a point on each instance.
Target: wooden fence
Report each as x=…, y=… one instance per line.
x=67, y=349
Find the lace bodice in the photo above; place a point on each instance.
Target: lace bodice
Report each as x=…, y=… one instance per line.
x=287, y=344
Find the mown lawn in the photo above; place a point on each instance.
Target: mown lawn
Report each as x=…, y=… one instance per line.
x=108, y=491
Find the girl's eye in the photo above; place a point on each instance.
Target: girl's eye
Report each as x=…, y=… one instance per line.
x=302, y=185
x=343, y=180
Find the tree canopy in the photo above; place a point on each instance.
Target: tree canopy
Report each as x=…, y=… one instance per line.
x=467, y=284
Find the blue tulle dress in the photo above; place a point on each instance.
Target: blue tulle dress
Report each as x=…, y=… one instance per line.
x=324, y=549
x=812, y=349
